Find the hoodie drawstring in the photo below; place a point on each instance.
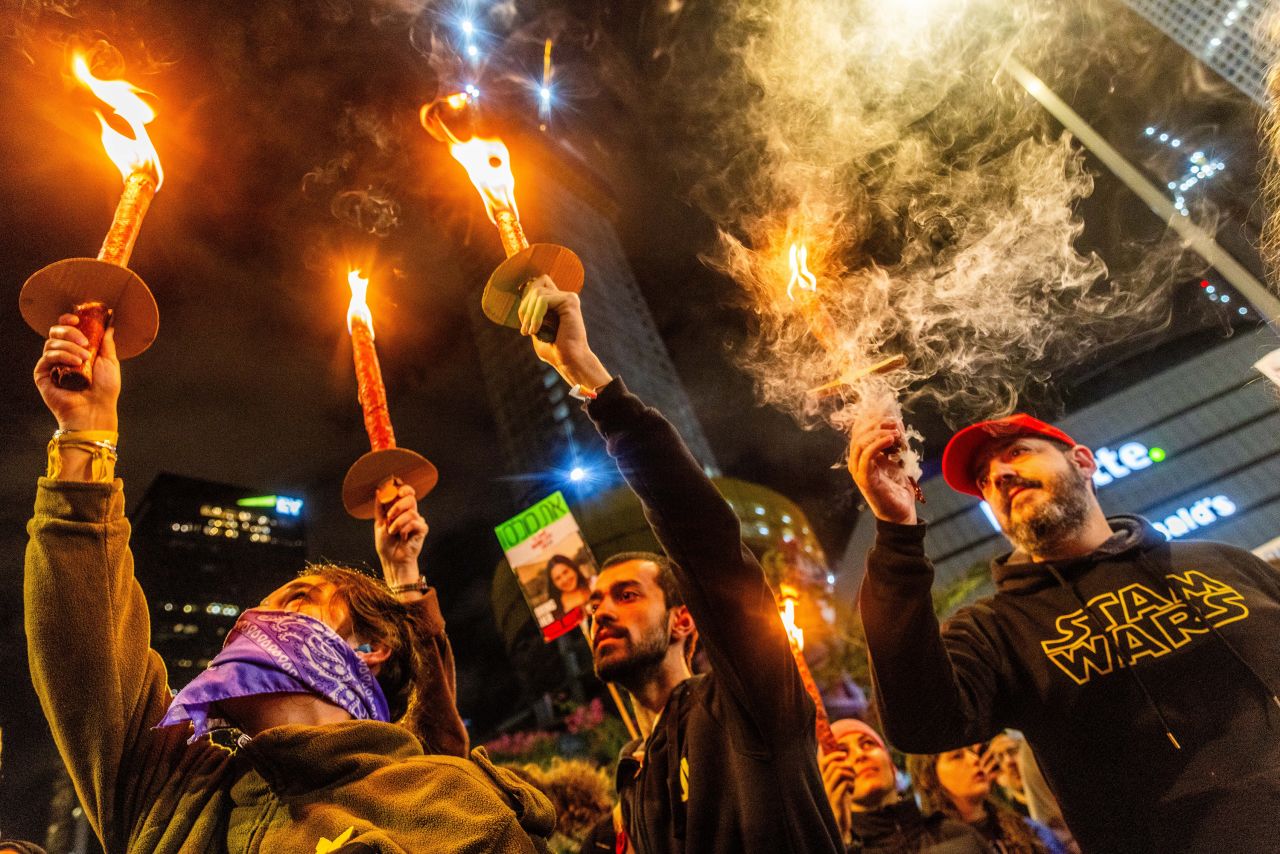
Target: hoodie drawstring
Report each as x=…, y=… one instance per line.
x=1125, y=661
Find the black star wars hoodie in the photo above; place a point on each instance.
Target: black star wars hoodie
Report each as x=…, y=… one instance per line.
x=731, y=767
x=1142, y=674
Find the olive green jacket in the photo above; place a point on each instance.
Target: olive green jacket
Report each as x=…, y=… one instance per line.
x=348, y=787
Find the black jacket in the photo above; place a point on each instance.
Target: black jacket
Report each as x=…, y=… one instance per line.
x=1142, y=675
x=902, y=829
x=732, y=764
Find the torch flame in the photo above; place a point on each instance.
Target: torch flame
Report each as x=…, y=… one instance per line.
x=789, y=595
x=129, y=155
x=801, y=277
x=358, y=308
x=488, y=164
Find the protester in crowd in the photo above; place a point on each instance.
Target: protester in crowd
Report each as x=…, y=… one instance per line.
x=1006, y=751
x=1042, y=805
x=1141, y=671
x=875, y=818
x=318, y=764
x=728, y=761
x=569, y=587
x=958, y=784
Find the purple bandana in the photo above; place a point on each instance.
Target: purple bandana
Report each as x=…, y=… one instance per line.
x=279, y=652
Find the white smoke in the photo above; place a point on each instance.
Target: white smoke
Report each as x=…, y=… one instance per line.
x=938, y=206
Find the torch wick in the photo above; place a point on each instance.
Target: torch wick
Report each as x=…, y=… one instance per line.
x=135, y=199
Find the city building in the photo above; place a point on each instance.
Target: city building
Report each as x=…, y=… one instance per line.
x=1194, y=448
x=205, y=551
x=546, y=440
x=1225, y=34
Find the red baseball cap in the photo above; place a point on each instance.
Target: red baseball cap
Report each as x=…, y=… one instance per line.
x=957, y=458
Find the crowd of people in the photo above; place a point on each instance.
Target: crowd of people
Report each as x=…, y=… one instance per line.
x=1114, y=695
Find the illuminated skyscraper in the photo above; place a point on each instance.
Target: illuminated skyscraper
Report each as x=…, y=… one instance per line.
x=1224, y=34
x=543, y=432
x=205, y=551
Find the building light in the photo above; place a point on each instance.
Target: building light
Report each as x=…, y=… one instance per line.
x=1201, y=514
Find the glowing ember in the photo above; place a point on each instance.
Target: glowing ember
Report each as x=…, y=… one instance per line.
x=358, y=309
x=373, y=395
x=801, y=277
x=488, y=164
x=822, y=725
x=789, y=596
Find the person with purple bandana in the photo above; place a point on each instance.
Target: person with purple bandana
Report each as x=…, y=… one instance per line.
x=313, y=681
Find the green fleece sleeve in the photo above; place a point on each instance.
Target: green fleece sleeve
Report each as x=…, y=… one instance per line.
x=101, y=687
x=433, y=710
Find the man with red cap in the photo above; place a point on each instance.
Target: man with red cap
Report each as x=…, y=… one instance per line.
x=1142, y=671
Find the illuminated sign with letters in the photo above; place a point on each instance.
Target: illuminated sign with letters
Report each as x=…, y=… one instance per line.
x=1130, y=457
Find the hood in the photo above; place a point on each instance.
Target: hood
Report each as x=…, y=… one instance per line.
x=1014, y=573
x=296, y=759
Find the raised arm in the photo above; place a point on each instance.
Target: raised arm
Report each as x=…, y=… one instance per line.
x=101, y=686
x=936, y=689
x=722, y=583
x=399, y=531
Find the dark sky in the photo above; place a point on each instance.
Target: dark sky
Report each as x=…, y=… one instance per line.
x=267, y=112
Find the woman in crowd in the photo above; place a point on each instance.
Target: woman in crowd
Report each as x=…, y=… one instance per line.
x=958, y=784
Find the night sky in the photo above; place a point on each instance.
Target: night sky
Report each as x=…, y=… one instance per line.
x=291, y=145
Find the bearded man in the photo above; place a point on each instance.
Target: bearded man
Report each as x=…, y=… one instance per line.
x=1141, y=671
x=728, y=762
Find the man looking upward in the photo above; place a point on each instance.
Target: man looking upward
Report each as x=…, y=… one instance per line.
x=728, y=762
x=1141, y=671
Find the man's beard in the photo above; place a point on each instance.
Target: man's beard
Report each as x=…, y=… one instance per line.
x=639, y=662
x=1054, y=520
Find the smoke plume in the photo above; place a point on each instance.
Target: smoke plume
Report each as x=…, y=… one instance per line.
x=937, y=206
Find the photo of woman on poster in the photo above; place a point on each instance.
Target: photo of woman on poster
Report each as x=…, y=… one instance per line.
x=569, y=587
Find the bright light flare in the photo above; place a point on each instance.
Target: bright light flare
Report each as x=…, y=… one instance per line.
x=129, y=155
x=358, y=308
x=789, y=596
x=488, y=164
x=801, y=277
x=577, y=474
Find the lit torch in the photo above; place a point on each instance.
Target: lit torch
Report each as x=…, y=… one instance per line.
x=488, y=164
x=823, y=328
x=822, y=725
x=802, y=288
x=378, y=475
x=104, y=291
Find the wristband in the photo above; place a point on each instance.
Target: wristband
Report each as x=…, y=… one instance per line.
x=99, y=444
x=419, y=586
x=581, y=392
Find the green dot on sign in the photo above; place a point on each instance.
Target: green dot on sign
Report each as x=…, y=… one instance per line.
x=1157, y=455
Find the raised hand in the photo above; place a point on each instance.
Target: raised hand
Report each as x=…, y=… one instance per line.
x=93, y=408
x=837, y=778
x=569, y=354
x=398, y=533
x=881, y=480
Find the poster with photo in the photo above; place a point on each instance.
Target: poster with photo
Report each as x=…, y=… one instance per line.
x=552, y=563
